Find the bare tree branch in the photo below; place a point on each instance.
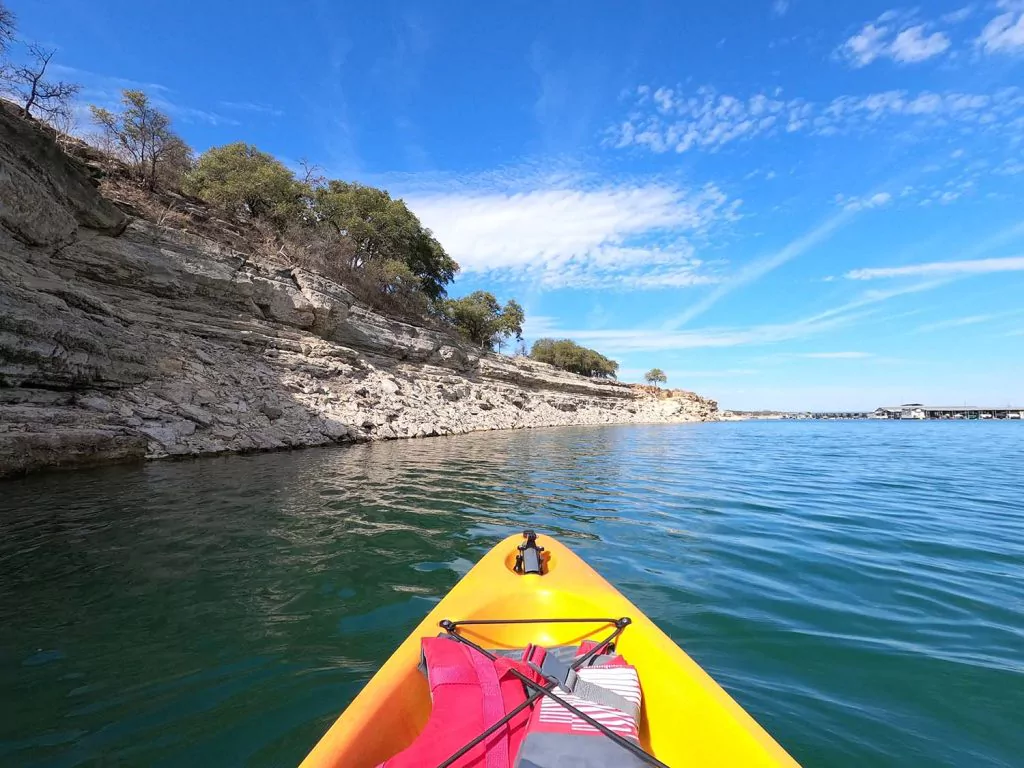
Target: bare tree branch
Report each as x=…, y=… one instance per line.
x=6, y=28
x=312, y=174
x=39, y=97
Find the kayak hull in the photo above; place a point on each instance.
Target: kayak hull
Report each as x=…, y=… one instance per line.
x=687, y=718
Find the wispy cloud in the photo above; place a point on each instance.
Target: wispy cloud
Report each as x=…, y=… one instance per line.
x=833, y=355
x=96, y=79
x=960, y=322
x=893, y=35
x=780, y=7
x=629, y=235
x=251, y=106
x=628, y=340
x=1010, y=168
x=758, y=268
x=942, y=269
x=619, y=341
x=189, y=114
x=958, y=16
x=105, y=91
x=677, y=376
x=870, y=297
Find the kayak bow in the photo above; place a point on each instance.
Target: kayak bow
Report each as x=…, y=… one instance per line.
x=686, y=719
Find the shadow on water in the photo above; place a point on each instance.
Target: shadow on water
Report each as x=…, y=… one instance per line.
x=857, y=586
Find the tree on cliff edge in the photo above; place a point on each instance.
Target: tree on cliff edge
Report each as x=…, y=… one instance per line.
x=481, y=319
x=37, y=96
x=384, y=229
x=143, y=133
x=655, y=376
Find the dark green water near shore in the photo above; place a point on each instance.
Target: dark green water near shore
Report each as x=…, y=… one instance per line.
x=858, y=587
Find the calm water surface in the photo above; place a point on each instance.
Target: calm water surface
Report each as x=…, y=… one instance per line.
x=859, y=587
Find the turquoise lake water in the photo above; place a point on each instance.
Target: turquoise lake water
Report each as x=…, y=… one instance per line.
x=858, y=587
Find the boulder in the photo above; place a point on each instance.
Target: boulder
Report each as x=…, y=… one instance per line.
x=272, y=410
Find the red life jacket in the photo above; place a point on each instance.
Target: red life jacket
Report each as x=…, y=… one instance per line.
x=469, y=693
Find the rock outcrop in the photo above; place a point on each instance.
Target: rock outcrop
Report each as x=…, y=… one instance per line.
x=125, y=339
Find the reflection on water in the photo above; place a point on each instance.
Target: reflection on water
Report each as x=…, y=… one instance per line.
x=857, y=586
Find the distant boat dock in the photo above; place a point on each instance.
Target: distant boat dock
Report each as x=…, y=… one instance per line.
x=918, y=411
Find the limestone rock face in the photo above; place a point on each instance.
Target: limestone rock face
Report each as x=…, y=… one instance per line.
x=127, y=340
x=44, y=195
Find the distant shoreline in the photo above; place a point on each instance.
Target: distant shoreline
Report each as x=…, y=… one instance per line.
x=912, y=412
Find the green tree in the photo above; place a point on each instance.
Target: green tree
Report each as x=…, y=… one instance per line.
x=382, y=229
x=655, y=376
x=570, y=356
x=142, y=133
x=240, y=178
x=481, y=319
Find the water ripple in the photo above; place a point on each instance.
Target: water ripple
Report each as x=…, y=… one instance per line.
x=858, y=587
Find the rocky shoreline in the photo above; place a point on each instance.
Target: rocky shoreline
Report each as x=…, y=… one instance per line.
x=121, y=338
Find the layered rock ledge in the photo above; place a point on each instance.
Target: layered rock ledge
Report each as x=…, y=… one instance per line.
x=121, y=338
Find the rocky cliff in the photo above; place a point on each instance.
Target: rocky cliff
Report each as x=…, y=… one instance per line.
x=121, y=338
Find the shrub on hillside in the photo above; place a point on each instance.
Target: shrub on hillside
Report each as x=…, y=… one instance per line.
x=570, y=356
x=239, y=178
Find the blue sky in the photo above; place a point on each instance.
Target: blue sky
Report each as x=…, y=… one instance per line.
x=783, y=204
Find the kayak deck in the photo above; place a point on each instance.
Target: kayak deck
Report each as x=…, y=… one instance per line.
x=686, y=719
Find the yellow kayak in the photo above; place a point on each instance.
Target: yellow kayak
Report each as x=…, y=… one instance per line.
x=686, y=717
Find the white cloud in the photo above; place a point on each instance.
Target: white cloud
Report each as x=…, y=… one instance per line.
x=627, y=236
x=1004, y=34
x=913, y=44
x=867, y=45
x=942, y=268
x=779, y=7
x=950, y=192
x=676, y=120
x=679, y=121
x=877, y=200
x=884, y=38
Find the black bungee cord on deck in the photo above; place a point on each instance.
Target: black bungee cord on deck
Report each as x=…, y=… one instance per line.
x=537, y=690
